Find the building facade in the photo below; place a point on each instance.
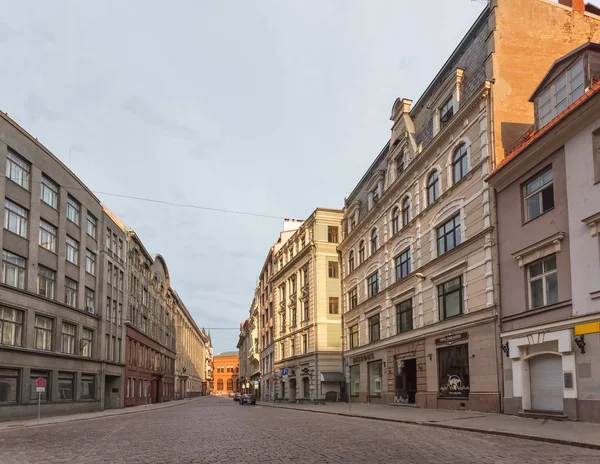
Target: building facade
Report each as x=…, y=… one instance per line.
x=226, y=369
x=306, y=284
x=267, y=330
x=548, y=203
x=52, y=285
x=151, y=332
x=249, y=349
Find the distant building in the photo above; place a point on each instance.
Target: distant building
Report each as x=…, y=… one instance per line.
x=226, y=372
x=249, y=349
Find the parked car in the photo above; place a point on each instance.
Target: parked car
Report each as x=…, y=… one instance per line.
x=236, y=397
x=231, y=394
x=248, y=398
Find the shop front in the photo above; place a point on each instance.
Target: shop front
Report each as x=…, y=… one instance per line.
x=406, y=374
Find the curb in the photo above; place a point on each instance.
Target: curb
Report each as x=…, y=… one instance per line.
x=556, y=441
x=122, y=412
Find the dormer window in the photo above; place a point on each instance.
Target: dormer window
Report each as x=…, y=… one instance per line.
x=563, y=92
x=375, y=195
x=446, y=112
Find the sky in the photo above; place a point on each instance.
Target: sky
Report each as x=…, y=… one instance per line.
x=272, y=107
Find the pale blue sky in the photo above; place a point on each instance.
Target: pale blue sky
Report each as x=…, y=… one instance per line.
x=273, y=107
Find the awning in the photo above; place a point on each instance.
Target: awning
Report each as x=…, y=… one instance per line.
x=333, y=377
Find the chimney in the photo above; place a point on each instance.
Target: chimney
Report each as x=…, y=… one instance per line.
x=577, y=5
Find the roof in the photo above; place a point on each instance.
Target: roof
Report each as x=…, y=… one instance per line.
x=227, y=354
x=569, y=56
x=534, y=136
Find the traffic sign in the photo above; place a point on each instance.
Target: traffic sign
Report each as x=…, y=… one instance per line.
x=40, y=389
x=147, y=383
x=284, y=371
x=40, y=382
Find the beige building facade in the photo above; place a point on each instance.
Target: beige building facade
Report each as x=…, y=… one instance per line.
x=250, y=349
x=306, y=298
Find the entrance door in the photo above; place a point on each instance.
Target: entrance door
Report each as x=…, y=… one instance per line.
x=406, y=381
x=546, y=377
x=155, y=391
x=292, y=392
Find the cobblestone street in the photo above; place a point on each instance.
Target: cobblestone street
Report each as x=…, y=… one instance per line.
x=215, y=430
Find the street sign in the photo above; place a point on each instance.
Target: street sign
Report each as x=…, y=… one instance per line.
x=40, y=389
x=147, y=383
x=40, y=382
x=284, y=371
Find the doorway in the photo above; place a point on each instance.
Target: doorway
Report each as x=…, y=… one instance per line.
x=406, y=381
x=546, y=378
x=112, y=395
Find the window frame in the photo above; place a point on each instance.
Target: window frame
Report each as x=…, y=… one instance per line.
x=89, y=379
x=72, y=250
x=51, y=231
x=361, y=252
x=333, y=269
x=403, y=308
x=47, y=334
x=460, y=160
x=549, y=97
x=49, y=277
x=67, y=339
x=433, y=187
x=444, y=294
x=73, y=210
x=405, y=211
x=446, y=111
x=334, y=305
x=71, y=292
x=395, y=220
x=48, y=185
x=91, y=226
x=87, y=344
x=373, y=392
x=402, y=264
x=16, y=163
x=16, y=323
x=44, y=396
x=64, y=377
x=20, y=270
x=353, y=297
x=351, y=263
x=374, y=242
x=90, y=262
x=443, y=376
x=374, y=323
x=538, y=193
x=16, y=218
x=332, y=234
x=543, y=276
x=353, y=333
x=373, y=284
x=455, y=232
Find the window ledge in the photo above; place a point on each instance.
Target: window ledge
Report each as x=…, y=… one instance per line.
x=533, y=312
x=540, y=249
x=593, y=222
x=449, y=272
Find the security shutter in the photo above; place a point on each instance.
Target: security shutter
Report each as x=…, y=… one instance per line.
x=546, y=377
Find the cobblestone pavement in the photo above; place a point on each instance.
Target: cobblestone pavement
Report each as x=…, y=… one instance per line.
x=218, y=430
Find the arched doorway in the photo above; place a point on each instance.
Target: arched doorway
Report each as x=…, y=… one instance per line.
x=220, y=385
x=546, y=383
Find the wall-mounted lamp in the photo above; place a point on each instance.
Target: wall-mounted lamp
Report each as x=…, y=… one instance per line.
x=506, y=349
x=430, y=356
x=580, y=341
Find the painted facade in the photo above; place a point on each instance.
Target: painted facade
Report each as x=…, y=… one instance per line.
x=226, y=372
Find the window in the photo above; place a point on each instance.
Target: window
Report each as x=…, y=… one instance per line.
x=539, y=195
x=121, y=277
x=402, y=262
x=404, y=316
x=374, y=332
x=9, y=384
x=405, y=211
x=361, y=252
x=13, y=270
x=90, y=262
x=282, y=351
x=399, y=164
x=72, y=250
x=332, y=234
x=229, y=385
x=333, y=269
x=11, y=326
x=596, y=156
x=562, y=93
x=543, y=282
x=120, y=253
x=448, y=235
x=305, y=310
x=373, y=284
x=33, y=393
x=450, y=298
x=306, y=387
x=43, y=333
x=108, y=236
x=395, y=220
x=460, y=163
x=92, y=226
x=70, y=292
x=351, y=261
x=73, y=210
x=292, y=347
x=87, y=343
x=17, y=169
x=66, y=385
x=353, y=298
x=353, y=336
x=304, y=343
x=375, y=378
x=453, y=371
x=375, y=195
x=46, y=282
x=47, y=236
x=15, y=218
x=49, y=192
x=220, y=385
x=67, y=342
x=90, y=298
x=334, y=305
x=446, y=112
x=374, y=240
x=433, y=188
x=355, y=380
x=87, y=386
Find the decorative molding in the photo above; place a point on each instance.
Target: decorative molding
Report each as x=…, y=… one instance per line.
x=451, y=271
x=593, y=222
x=450, y=85
x=540, y=249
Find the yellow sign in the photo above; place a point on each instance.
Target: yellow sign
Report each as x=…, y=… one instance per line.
x=591, y=327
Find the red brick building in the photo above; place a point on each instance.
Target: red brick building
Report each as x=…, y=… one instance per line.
x=226, y=370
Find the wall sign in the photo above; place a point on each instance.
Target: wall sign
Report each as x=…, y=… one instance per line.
x=452, y=338
x=362, y=358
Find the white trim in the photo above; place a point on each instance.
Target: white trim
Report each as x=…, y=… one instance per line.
x=593, y=222
x=541, y=249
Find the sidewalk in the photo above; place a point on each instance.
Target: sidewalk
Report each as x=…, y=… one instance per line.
x=582, y=434
x=12, y=425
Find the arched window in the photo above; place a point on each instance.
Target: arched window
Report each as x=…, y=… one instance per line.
x=374, y=240
x=433, y=188
x=395, y=220
x=229, y=385
x=460, y=163
x=361, y=252
x=405, y=211
x=220, y=385
x=351, y=260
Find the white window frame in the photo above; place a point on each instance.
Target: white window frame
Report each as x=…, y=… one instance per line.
x=15, y=218
x=47, y=229
x=49, y=192
x=18, y=169
x=71, y=292
x=550, y=96
x=539, y=193
x=73, y=210
x=91, y=226
x=72, y=250
x=544, y=278
x=19, y=266
x=90, y=262
x=47, y=279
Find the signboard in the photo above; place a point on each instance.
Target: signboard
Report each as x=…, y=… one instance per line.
x=591, y=327
x=452, y=338
x=362, y=357
x=256, y=383
x=40, y=389
x=40, y=382
x=147, y=383
x=284, y=373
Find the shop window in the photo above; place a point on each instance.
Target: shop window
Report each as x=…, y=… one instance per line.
x=9, y=382
x=453, y=371
x=375, y=378
x=355, y=380
x=87, y=387
x=66, y=385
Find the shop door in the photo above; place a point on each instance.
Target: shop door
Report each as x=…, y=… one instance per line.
x=406, y=381
x=546, y=377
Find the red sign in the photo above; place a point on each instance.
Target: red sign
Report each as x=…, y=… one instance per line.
x=40, y=382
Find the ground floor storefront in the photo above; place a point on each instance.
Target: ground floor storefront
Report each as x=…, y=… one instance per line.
x=454, y=369
x=553, y=369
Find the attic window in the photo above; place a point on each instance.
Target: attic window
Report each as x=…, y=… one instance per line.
x=563, y=92
x=446, y=112
x=375, y=195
